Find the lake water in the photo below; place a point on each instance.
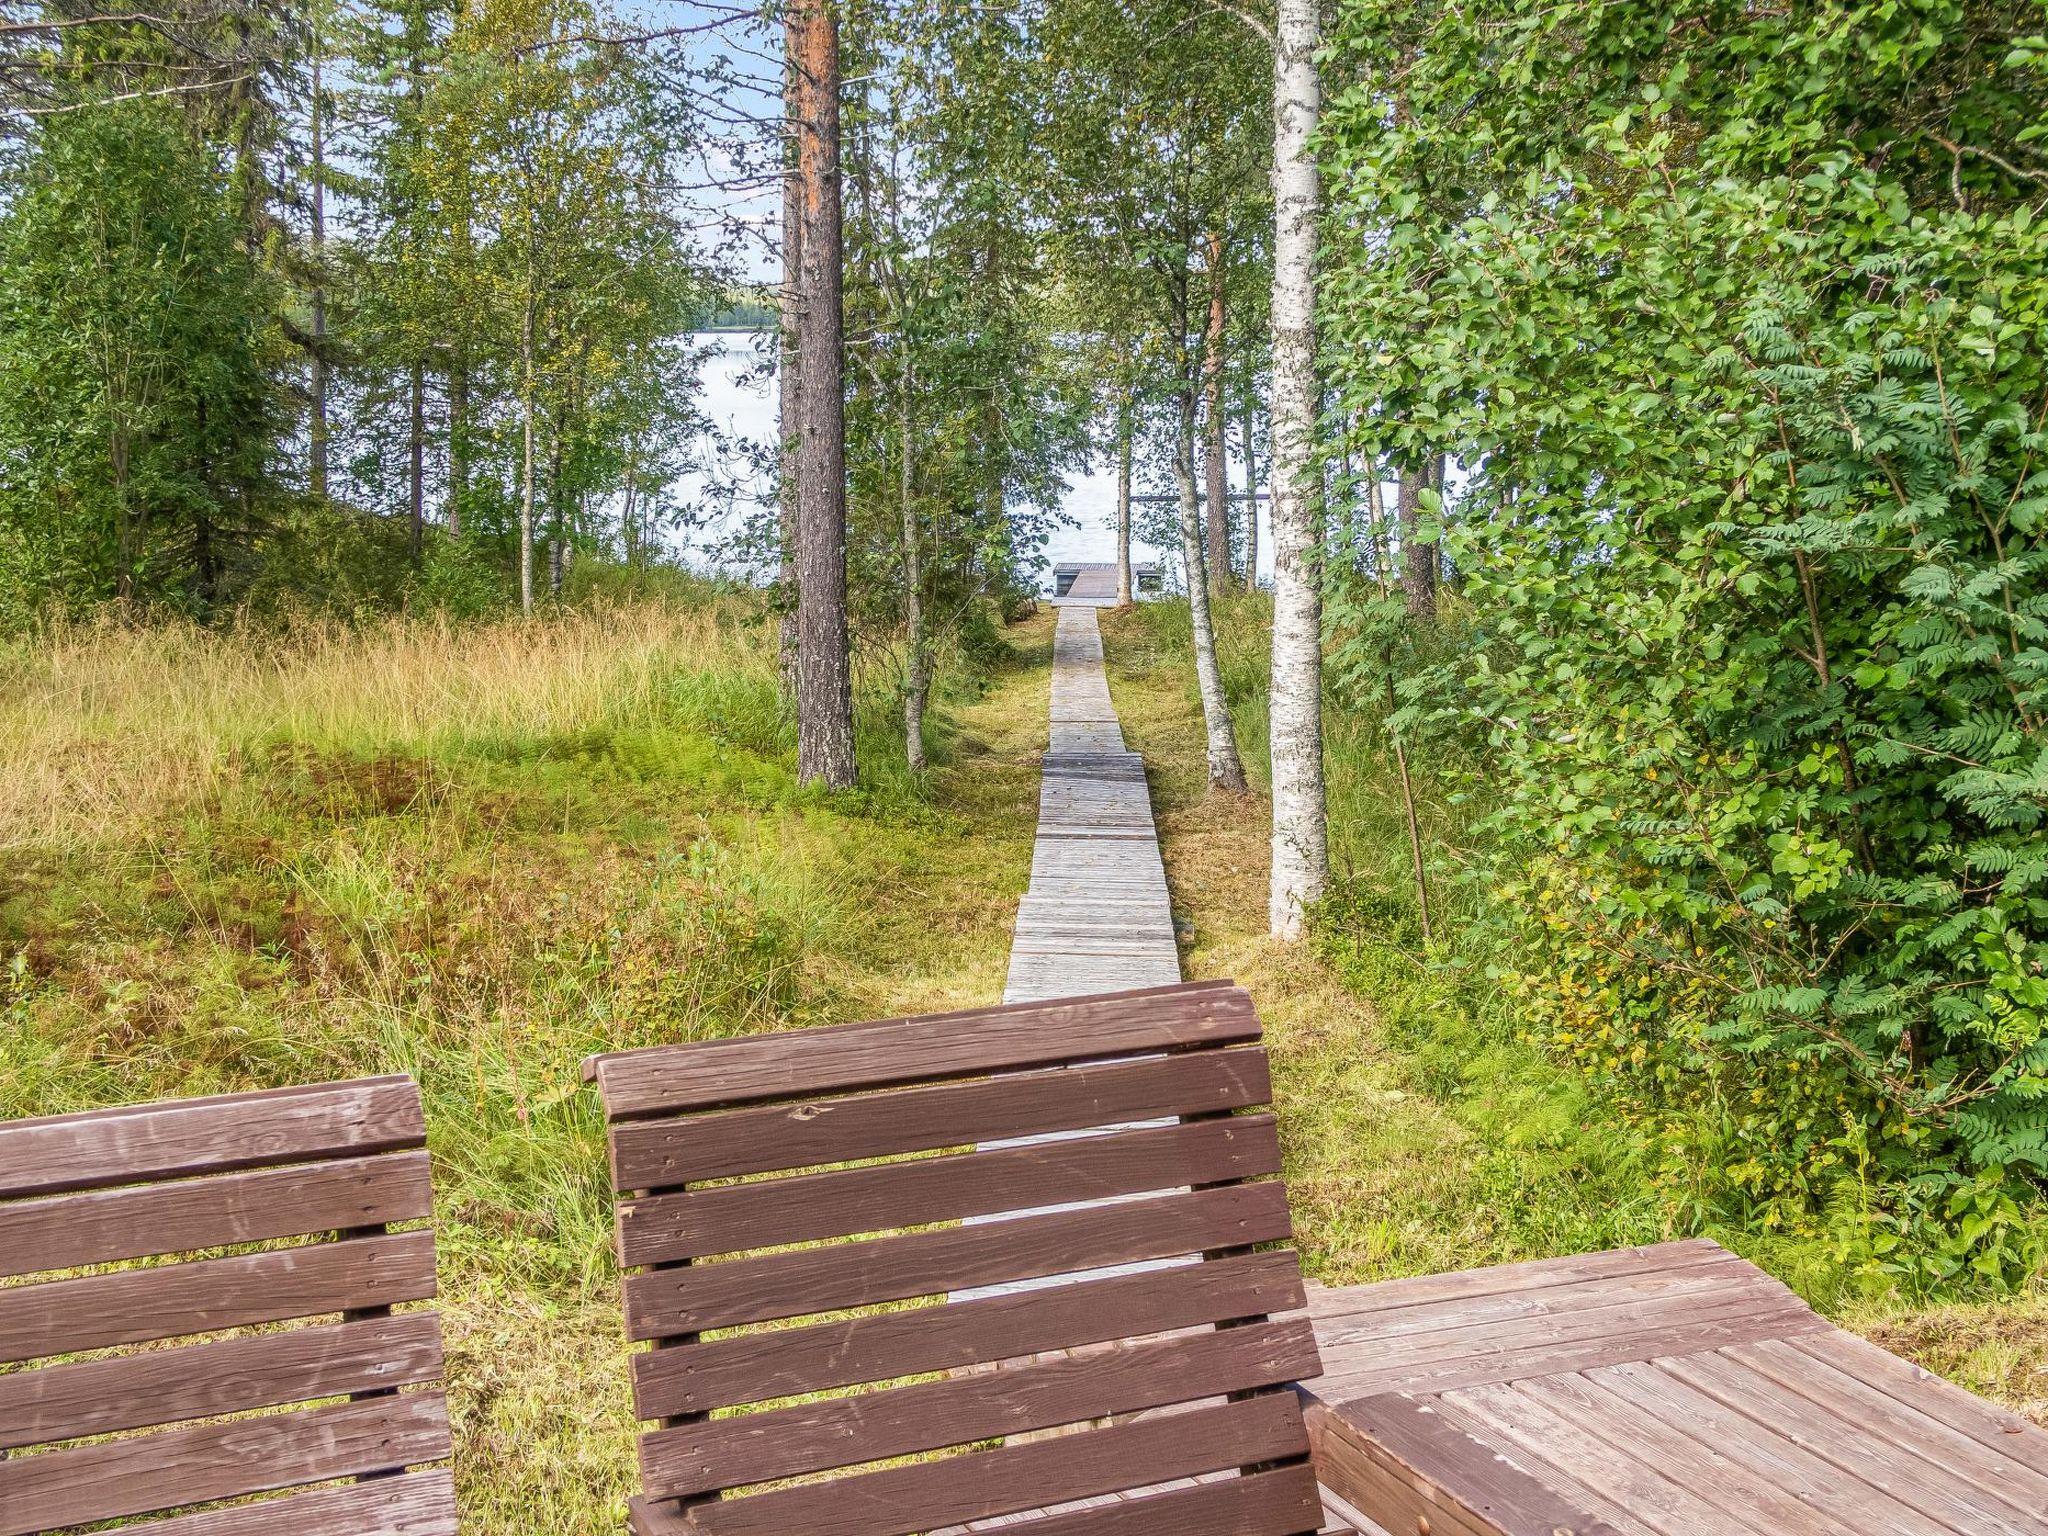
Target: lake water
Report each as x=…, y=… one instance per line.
x=738, y=396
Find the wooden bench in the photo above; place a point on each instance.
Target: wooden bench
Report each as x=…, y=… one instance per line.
x=253, y=1174
x=1673, y=1390
x=1158, y=1359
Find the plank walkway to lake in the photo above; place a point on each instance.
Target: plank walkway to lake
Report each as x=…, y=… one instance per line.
x=1096, y=918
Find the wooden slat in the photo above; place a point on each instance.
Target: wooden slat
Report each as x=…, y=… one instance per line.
x=1280, y=1502
x=102, y=1226
x=132, y=1306
x=1392, y=1450
x=1363, y=1372
x=1609, y=1305
x=1532, y=1276
x=409, y=1504
x=733, y=1218
x=1064, y=1389
x=1997, y=1429
x=892, y=1052
x=105, y=1147
x=786, y=1362
x=265, y=1370
x=658, y=1154
x=1767, y=1462
x=1595, y=1451
x=106, y=1479
x=1915, y=1478
x=663, y=1303
x=2013, y=1467
x=901, y=1501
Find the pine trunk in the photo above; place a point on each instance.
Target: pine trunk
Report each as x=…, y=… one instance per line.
x=789, y=424
x=824, y=683
x=317, y=436
x=1301, y=859
x=1225, y=770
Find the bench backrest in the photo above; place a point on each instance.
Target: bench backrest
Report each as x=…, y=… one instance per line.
x=85, y=1196
x=814, y=1268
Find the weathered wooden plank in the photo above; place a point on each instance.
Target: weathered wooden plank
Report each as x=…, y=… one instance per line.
x=1601, y=1457
x=1536, y=1274
x=1400, y=1455
x=104, y=1147
x=1360, y=1372
x=1820, y=1499
x=1618, y=1301
x=140, y=1474
x=2013, y=1468
x=787, y=1362
x=133, y=1306
x=1913, y=1477
x=667, y=1302
x=407, y=1504
x=1280, y=1500
x=137, y=1221
x=901, y=1501
x=266, y=1370
x=733, y=1218
x=1997, y=1429
x=656, y=1154
x=893, y=1052
x=1068, y=1388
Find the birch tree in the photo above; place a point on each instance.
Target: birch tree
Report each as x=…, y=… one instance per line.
x=1300, y=850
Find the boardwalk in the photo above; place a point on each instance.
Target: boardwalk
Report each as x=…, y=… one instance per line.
x=1096, y=918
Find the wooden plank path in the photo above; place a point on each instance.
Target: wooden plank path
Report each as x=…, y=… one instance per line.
x=1673, y=1390
x=1096, y=917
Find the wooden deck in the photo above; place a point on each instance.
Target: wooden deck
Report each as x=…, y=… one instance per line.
x=1665, y=1391
x=1096, y=917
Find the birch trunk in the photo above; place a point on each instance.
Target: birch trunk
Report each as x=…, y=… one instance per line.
x=1123, y=504
x=1225, y=771
x=1216, y=484
x=918, y=685
x=458, y=440
x=417, y=464
x=1251, y=500
x=526, y=462
x=1301, y=859
x=824, y=681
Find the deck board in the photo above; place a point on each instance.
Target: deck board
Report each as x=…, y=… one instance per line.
x=1672, y=1390
x=1096, y=917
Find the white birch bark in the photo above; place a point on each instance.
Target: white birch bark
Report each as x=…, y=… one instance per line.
x=1301, y=858
x=1123, y=506
x=1225, y=770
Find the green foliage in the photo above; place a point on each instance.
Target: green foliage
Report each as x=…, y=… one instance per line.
x=1735, y=318
x=136, y=415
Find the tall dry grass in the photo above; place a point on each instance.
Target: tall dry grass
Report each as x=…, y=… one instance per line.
x=106, y=727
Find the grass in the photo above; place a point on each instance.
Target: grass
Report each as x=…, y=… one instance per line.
x=477, y=853
x=1420, y=1134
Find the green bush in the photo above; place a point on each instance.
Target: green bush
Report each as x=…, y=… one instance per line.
x=1744, y=356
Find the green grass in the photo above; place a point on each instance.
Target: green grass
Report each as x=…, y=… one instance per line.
x=1421, y=1133
x=477, y=854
